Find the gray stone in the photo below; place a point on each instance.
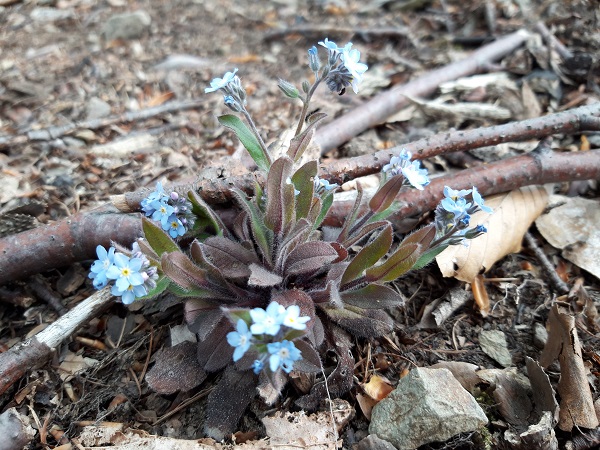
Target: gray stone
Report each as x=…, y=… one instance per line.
x=428, y=405
x=374, y=442
x=493, y=344
x=96, y=109
x=126, y=26
x=43, y=14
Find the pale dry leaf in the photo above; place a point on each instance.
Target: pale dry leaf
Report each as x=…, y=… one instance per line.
x=513, y=214
x=576, y=401
x=74, y=363
x=378, y=387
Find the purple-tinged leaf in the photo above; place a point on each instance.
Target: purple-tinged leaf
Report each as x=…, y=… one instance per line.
x=262, y=277
x=311, y=361
x=316, y=207
x=386, y=194
x=341, y=251
x=296, y=236
x=270, y=385
x=213, y=342
x=220, y=357
x=361, y=322
x=232, y=258
x=351, y=218
x=159, y=240
x=175, y=369
x=300, y=143
x=316, y=335
x=363, y=232
x=261, y=234
x=241, y=228
x=369, y=255
x=205, y=216
x=201, y=321
x=280, y=196
x=400, y=262
x=149, y=252
x=373, y=296
x=309, y=257
x=423, y=236
x=303, y=181
x=227, y=402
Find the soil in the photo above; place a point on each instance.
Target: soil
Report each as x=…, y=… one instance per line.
x=62, y=62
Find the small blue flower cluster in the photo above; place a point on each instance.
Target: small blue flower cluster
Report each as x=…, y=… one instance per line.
x=453, y=215
x=172, y=211
x=266, y=335
x=323, y=186
x=413, y=173
x=133, y=276
x=349, y=71
x=234, y=94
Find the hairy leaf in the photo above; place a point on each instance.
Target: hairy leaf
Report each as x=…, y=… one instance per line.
x=423, y=236
x=175, y=369
x=162, y=284
x=311, y=361
x=201, y=319
x=216, y=342
x=259, y=276
x=270, y=385
x=296, y=236
x=341, y=251
x=361, y=322
x=227, y=402
x=303, y=181
x=385, y=195
x=428, y=256
x=309, y=257
x=373, y=296
x=160, y=241
x=205, y=215
x=280, y=196
x=400, y=262
x=262, y=235
x=300, y=143
x=231, y=257
x=247, y=139
x=149, y=252
x=326, y=204
x=369, y=255
x=363, y=232
x=351, y=218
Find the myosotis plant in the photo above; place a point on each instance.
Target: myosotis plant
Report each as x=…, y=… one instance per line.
x=270, y=292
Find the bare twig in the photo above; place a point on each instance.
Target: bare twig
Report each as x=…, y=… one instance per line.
x=46, y=134
x=584, y=118
x=35, y=352
x=383, y=105
x=551, y=40
x=43, y=291
x=547, y=266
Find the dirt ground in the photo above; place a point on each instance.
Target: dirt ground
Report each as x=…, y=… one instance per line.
x=69, y=61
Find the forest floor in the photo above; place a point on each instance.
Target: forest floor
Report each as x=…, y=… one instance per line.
x=69, y=61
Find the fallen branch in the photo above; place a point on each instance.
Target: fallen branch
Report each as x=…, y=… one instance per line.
x=55, y=132
x=37, y=350
x=578, y=120
x=85, y=231
x=383, y=105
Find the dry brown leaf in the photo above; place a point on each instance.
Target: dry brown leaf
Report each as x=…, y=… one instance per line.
x=378, y=388
x=482, y=299
x=576, y=402
x=513, y=214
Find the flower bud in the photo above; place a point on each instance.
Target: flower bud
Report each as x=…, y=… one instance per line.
x=313, y=59
x=288, y=89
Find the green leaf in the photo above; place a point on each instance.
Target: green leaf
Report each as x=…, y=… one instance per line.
x=205, y=214
x=300, y=143
x=157, y=238
x=327, y=202
x=303, y=181
x=161, y=286
x=351, y=218
x=362, y=232
x=262, y=235
x=386, y=194
x=429, y=256
x=369, y=255
x=400, y=262
x=423, y=236
x=280, y=196
x=373, y=296
x=247, y=139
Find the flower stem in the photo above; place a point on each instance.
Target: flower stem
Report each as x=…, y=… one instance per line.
x=305, y=107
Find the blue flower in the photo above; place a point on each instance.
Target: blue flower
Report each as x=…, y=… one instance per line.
x=174, y=226
x=456, y=207
x=101, y=265
x=322, y=186
x=293, y=320
x=267, y=321
x=162, y=212
x=454, y=194
x=129, y=294
x=416, y=176
x=220, y=83
x=283, y=354
x=479, y=201
x=330, y=45
x=351, y=58
x=126, y=272
x=397, y=163
x=241, y=339
x=155, y=195
x=257, y=366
